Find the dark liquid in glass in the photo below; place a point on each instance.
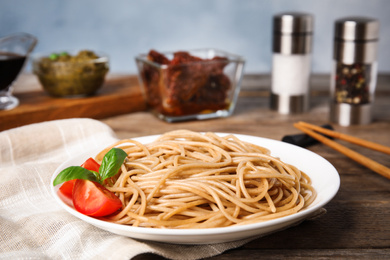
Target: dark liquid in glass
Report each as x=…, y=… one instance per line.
x=10, y=66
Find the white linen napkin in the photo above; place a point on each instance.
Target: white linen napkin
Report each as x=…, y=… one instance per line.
x=34, y=226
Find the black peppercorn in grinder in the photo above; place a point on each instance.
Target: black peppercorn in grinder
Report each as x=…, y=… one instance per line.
x=354, y=73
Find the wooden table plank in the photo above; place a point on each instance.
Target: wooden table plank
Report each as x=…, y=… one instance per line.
x=357, y=222
x=292, y=254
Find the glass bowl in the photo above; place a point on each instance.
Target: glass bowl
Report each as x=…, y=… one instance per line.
x=71, y=74
x=186, y=85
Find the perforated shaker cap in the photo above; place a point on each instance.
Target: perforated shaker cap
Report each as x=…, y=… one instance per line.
x=292, y=33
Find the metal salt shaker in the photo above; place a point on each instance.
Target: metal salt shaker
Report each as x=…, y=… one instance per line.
x=291, y=62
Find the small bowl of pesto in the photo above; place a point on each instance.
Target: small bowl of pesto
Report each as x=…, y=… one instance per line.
x=71, y=74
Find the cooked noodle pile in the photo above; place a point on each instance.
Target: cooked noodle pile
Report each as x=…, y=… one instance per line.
x=191, y=180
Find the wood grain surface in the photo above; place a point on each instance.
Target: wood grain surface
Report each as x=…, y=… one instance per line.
x=117, y=96
x=357, y=222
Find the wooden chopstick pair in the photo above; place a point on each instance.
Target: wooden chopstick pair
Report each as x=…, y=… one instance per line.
x=311, y=130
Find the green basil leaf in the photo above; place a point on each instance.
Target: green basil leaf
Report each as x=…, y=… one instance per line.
x=111, y=163
x=75, y=172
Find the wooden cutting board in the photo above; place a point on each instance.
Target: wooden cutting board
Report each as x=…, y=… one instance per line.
x=119, y=95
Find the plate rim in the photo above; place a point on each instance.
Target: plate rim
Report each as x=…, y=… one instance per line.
x=303, y=214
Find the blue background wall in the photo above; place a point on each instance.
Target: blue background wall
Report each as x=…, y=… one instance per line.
x=124, y=28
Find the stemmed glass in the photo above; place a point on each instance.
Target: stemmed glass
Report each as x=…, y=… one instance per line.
x=14, y=50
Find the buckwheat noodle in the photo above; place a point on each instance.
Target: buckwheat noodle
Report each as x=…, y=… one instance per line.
x=186, y=179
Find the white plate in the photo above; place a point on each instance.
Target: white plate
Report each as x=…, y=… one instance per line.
x=324, y=176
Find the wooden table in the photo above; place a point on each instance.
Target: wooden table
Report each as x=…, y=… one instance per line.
x=357, y=223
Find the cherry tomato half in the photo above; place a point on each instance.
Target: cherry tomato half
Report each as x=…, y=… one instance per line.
x=67, y=187
x=93, y=199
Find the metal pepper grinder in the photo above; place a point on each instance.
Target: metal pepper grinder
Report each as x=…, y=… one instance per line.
x=354, y=72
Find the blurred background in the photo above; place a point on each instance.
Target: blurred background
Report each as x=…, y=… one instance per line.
x=124, y=28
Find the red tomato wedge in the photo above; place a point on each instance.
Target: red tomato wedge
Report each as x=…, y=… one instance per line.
x=93, y=199
x=67, y=188
x=91, y=165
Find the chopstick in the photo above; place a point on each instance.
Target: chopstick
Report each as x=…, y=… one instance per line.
x=348, y=138
x=359, y=158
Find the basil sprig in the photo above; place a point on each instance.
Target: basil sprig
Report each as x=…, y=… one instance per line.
x=110, y=166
